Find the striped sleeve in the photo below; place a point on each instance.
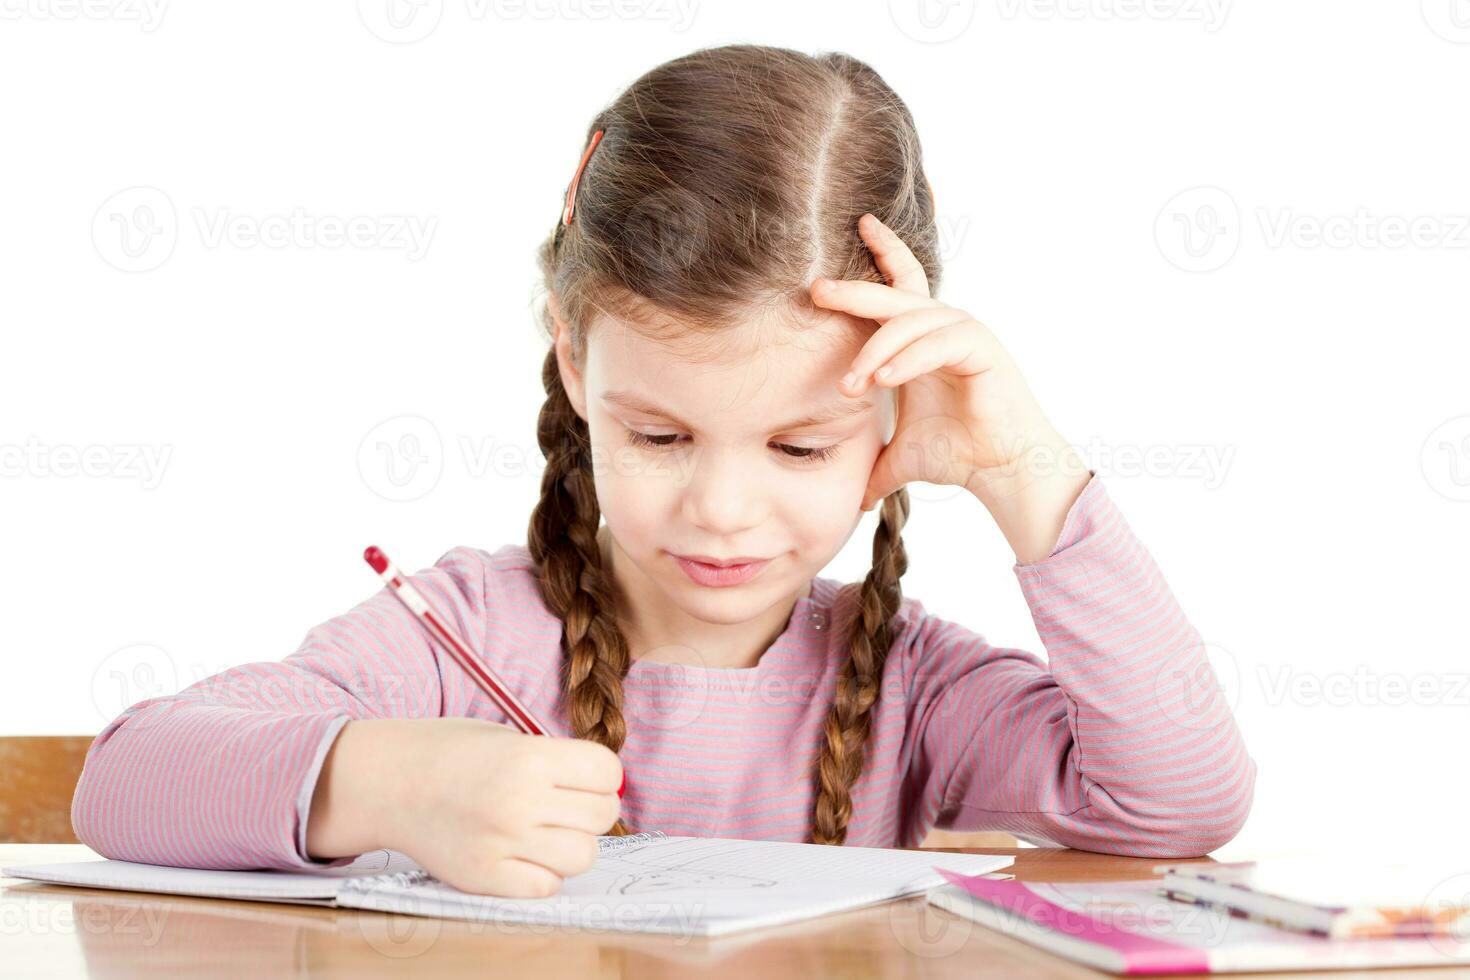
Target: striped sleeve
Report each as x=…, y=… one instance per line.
x=220, y=775
x=1122, y=743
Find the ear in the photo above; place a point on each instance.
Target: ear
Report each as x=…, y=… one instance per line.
x=571, y=375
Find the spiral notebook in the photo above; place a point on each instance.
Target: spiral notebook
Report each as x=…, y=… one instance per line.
x=645, y=882
x=1128, y=927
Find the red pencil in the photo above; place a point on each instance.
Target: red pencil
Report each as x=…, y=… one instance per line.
x=439, y=628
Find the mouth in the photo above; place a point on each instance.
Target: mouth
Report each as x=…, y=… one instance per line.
x=721, y=573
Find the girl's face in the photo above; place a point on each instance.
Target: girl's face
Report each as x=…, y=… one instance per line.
x=753, y=454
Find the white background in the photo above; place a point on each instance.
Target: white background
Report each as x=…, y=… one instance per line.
x=1286, y=371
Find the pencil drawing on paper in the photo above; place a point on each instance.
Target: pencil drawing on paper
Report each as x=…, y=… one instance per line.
x=655, y=869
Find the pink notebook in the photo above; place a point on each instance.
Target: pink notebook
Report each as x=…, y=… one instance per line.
x=1127, y=927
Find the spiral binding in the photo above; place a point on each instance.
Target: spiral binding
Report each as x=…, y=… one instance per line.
x=607, y=845
x=418, y=876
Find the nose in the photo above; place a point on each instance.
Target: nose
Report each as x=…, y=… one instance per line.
x=724, y=496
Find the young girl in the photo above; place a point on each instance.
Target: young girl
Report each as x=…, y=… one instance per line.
x=745, y=356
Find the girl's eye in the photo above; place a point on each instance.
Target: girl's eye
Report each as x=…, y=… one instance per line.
x=802, y=454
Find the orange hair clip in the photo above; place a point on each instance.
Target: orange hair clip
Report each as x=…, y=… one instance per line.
x=566, y=214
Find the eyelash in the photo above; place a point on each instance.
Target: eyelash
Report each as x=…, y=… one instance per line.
x=813, y=454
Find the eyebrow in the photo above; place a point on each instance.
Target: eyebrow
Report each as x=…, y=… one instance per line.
x=836, y=413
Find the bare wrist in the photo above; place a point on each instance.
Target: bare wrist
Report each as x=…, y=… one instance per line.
x=351, y=803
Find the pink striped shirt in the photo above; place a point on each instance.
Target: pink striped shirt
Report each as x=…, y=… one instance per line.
x=1118, y=743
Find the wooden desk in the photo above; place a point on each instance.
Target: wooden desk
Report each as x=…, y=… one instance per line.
x=57, y=931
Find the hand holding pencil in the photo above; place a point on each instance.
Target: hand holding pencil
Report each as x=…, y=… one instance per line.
x=488, y=808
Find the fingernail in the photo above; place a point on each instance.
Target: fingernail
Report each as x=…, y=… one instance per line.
x=849, y=379
x=884, y=371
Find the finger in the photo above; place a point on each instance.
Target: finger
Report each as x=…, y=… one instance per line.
x=869, y=300
x=954, y=348
x=895, y=259
x=894, y=336
x=580, y=763
x=575, y=809
x=562, y=851
x=880, y=481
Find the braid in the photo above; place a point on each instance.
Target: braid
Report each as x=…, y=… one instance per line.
x=562, y=538
x=845, y=731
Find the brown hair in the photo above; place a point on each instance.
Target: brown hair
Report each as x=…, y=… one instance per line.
x=725, y=181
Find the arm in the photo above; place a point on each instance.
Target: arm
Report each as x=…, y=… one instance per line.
x=222, y=774
x=1120, y=744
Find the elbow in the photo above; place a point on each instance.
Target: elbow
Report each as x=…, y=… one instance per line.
x=85, y=810
x=1195, y=828
x=93, y=810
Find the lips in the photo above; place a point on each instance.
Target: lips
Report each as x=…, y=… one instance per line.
x=721, y=576
x=721, y=562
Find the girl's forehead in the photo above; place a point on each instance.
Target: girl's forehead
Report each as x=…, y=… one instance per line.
x=813, y=345
x=761, y=378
